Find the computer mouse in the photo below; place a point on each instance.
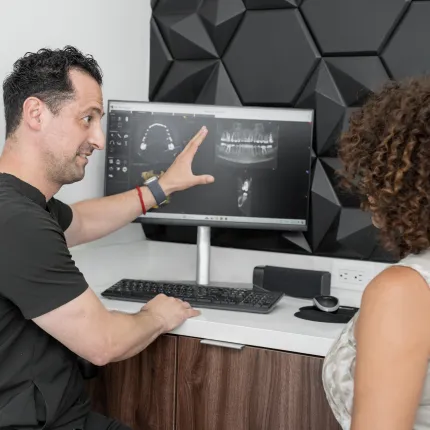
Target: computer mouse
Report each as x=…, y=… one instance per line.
x=326, y=303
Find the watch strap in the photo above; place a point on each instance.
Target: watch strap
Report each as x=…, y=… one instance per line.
x=156, y=190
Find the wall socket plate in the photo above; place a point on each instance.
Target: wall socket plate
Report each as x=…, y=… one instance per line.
x=352, y=275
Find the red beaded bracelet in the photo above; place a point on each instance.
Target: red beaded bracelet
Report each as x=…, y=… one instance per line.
x=139, y=192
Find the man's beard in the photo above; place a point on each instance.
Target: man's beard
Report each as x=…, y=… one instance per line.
x=67, y=170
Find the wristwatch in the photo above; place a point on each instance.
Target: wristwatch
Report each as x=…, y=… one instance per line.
x=156, y=190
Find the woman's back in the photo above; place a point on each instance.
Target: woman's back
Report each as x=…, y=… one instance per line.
x=340, y=362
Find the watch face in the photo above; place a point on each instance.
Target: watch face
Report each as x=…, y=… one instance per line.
x=151, y=179
x=151, y=175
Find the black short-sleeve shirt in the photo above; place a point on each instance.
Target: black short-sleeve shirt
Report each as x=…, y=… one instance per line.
x=40, y=382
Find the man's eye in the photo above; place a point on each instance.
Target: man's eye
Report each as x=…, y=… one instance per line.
x=88, y=119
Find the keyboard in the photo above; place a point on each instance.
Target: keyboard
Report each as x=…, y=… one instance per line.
x=223, y=298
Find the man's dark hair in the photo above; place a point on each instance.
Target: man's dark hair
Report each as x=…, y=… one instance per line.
x=44, y=74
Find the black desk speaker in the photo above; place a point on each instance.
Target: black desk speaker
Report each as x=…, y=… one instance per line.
x=299, y=283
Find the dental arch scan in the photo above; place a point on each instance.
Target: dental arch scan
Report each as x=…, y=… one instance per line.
x=168, y=137
x=158, y=142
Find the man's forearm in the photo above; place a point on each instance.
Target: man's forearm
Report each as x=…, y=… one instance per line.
x=100, y=217
x=131, y=334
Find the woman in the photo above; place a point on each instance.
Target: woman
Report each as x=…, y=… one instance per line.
x=377, y=373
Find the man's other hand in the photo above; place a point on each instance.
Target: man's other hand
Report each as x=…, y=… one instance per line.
x=169, y=311
x=179, y=176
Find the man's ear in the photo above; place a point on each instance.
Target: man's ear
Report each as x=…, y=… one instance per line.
x=32, y=113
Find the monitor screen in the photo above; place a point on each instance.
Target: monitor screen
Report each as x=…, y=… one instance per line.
x=260, y=159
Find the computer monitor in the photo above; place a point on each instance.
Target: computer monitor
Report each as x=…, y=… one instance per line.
x=260, y=159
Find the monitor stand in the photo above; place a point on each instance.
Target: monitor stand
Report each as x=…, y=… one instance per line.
x=203, y=267
x=204, y=262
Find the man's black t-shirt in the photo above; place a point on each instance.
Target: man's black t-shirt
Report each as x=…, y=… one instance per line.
x=41, y=386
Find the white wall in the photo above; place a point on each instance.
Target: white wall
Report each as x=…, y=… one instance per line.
x=115, y=32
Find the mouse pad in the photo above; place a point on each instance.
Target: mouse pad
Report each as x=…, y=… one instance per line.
x=312, y=313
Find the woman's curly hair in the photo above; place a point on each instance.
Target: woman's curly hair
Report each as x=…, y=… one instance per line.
x=385, y=155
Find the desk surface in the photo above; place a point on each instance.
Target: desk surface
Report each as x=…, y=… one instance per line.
x=279, y=329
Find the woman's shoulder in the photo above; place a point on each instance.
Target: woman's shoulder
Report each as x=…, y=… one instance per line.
x=406, y=283
x=418, y=262
x=396, y=304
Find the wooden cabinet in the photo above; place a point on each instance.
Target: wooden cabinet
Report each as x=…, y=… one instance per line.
x=180, y=383
x=140, y=391
x=249, y=389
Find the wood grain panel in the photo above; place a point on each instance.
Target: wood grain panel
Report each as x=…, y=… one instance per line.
x=140, y=391
x=249, y=389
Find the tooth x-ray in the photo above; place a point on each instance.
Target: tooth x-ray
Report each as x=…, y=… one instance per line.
x=247, y=143
x=244, y=195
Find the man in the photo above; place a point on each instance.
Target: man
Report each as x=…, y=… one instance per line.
x=48, y=314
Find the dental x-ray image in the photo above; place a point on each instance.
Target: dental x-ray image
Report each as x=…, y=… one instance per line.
x=261, y=167
x=157, y=140
x=244, y=195
x=163, y=135
x=247, y=143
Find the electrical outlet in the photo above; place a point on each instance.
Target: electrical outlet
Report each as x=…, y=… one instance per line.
x=352, y=275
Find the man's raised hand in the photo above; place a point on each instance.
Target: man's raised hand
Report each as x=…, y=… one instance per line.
x=179, y=176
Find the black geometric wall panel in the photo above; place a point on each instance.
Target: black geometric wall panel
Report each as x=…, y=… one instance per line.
x=298, y=239
x=186, y=36
x=271, y=4
x=356, y=232
x=160, y=58
x=322, y=94
x=260, y=35
x=352, y=26
x=331, y=166
x=218, y=89
x=185, y=80
x=221, y=19
x=175, y=7
x=356, y=77
x=325, y=206
x=326, y=55
x=407, y=53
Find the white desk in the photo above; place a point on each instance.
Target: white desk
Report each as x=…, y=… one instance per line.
x=279, y=329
